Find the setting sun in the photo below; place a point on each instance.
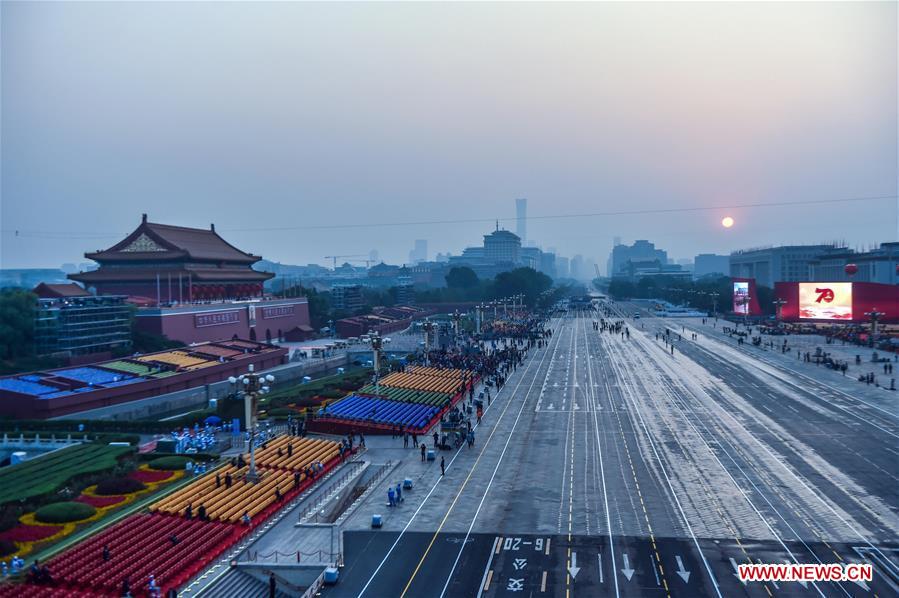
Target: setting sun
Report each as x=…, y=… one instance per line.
x=727, y=222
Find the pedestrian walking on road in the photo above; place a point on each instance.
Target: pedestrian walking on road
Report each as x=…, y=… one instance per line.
x=442, y=467
x=436, y=438
x=405, y=440
x=423, y=449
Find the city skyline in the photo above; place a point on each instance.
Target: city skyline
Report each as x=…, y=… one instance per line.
x=110, y=111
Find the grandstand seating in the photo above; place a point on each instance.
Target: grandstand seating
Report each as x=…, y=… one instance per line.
x=25, y=386
x=139, y=546
x=304, y=452
x=90, y=375
x=227, y=504
x=406, y=395
x=361, y=409
x=130, y=367
x=439, y=372
x=423, y=382
x=216, y=351
x=276, y=471
x=180, y=359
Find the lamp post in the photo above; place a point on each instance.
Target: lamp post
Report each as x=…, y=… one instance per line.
x=377, y=342
x=251, y=385
x=478, y=314
x=456, y=318
x=778, y=308
x=428, y=327
x=874, y=315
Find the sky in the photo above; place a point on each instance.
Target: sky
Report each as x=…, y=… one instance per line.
x=283, y=123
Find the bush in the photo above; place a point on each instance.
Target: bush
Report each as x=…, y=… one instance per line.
x=7, y=547
x=9, y=517
x=64, y=512
x=171, y=463
x=116, y=486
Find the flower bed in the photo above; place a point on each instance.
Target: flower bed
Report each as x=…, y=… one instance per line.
x=149, y=476
x=30, y=533
x=101, y=502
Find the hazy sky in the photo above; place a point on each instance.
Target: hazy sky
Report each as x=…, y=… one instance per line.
x=278, y=115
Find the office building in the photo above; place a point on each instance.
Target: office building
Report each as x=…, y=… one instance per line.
x=709, y=264
x=419, y=252
x=73, y=323
x=521, y=219
x=876, y=265
x=786, y=263
x=346, y=296
x=641, y=251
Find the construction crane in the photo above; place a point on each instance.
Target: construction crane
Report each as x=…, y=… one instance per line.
x=336, y=257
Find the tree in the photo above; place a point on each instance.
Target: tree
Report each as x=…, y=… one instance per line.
x=461, y=277
x=17, y=311
x=524, y=281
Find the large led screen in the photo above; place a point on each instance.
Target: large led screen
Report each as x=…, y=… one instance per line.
x=825, y=300
x=741, y=298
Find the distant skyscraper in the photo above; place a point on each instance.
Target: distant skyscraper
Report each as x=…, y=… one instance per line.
x=419, y=252
x=373, y=257
x=521, y=216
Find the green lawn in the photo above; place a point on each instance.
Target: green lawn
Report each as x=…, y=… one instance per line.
x=47, y=474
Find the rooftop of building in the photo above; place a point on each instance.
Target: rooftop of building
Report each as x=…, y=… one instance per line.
x=59, y=291
x=156, y=241
x=63, y=382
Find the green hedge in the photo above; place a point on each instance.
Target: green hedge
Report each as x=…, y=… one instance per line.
x=64, y=512
x=98, y=437
x=118, y=485
x=171, y=463
x=39, y=479
x=204, y=457
x=61, y=427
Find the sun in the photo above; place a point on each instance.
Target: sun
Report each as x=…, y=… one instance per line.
x=727, y=222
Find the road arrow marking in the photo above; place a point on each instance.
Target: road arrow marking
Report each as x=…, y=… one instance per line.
x=737, y=571
x=574, y=569
x=628, y=572
x=599, y=558
x=685, y=575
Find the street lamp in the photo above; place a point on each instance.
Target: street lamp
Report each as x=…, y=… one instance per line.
x=478, y=314
x=252, y=385
x=456, y=317
x=778, y=307
x=874, y=315
x=377, y=342
x=428, y=326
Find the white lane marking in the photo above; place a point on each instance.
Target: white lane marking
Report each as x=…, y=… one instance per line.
x=493, y=475
x=441, y=478
x=602, y=473
x=664, y=471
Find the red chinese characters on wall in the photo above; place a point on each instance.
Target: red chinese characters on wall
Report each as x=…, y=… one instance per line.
x=216, y=319
x=280, y=311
